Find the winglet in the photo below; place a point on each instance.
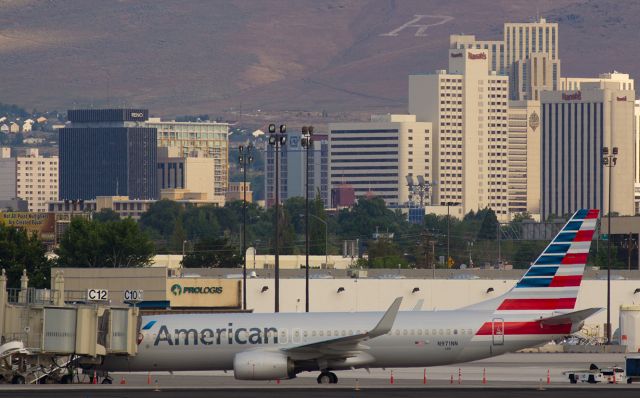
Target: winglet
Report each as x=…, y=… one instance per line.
x=387, y=320
x=418, y=306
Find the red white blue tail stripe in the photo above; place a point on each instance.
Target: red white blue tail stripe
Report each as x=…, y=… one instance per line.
x=553, y=280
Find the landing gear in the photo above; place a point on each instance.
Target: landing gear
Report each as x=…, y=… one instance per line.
x=327, y=378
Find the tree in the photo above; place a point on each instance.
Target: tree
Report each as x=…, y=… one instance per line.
x=124, y=245
x=19, y=251
x=161, y=217
x=212, y=253
x=81, y=244
x=106, y=215
x=384, y=253
x=88, y=243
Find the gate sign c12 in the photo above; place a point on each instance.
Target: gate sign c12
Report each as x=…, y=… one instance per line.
x=97, y=294
x=133, y=295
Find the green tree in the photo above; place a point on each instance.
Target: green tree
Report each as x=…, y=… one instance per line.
x=81, y=244
x=106, y=215
x=161, y=217
x=384, y=253
x=212, y=253
x=88, y=243
x=124, y=245
x=19, y=251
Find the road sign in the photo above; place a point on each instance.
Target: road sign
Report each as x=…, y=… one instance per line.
x=133, y=295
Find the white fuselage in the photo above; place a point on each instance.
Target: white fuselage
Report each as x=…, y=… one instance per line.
x=418, y=338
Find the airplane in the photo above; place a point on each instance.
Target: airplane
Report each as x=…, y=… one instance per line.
x=538, y=309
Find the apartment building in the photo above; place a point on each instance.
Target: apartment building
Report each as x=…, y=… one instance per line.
x=37, y=179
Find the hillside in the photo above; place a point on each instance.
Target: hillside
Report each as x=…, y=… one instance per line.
x=202, y=56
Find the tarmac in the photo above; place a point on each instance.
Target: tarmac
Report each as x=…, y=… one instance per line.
x=511, y=375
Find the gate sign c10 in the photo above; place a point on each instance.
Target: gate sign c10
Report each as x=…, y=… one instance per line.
x=133, y=295
x=97, y=294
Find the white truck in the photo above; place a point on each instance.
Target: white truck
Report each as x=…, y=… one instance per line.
x=612, y=375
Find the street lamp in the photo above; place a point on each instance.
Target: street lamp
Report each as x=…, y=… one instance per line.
x=609, y=160
x=307, y=133
x=245, y=158
x=277, y=139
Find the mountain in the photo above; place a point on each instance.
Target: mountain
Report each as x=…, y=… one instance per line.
x=200, y=56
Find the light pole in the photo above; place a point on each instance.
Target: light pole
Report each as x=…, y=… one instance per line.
x=326, y=239
x=609, y=161
x=276, y=140
x=307, y=143
x=245, y=159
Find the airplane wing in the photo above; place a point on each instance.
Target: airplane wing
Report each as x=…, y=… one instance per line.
x=343, y=347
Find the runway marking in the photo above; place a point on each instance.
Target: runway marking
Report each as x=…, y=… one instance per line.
x=420, y=28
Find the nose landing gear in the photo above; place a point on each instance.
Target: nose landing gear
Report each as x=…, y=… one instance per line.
x=327, y=377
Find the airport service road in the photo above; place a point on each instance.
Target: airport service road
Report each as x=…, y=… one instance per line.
x=330, y=392
x=512, y=369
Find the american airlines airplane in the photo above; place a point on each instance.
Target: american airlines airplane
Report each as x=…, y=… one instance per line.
x=539, y=308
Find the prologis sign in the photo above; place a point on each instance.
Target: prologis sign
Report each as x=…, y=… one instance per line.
x=203, y=292
x=178, y=289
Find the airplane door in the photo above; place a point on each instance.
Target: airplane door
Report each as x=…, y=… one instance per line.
x=497, y=331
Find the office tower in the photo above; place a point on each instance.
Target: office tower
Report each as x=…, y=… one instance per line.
x=376, y=157
x=292, y=169
x=108, y=152
x=37, y=179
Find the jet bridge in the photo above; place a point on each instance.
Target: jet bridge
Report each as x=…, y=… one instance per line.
x=46, y=334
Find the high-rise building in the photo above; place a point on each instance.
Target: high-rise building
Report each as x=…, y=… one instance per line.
x=292, y=169
x=531, y=58
x=527, y=53
x=7, y=175
x=620, y=80
x=576, y=125
x=374, y=158
x=209, y=139
x=524, y=157
x=468, y=107
x=37, y=179
x=108, y=152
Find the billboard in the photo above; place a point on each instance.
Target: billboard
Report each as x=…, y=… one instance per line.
x=43, y=224
x=203, y=292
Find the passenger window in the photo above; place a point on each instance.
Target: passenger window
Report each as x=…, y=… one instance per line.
x=313, y=333
x=398, y=332
x=440, y=332
x=412, y=332
x=419, y=332
x=404, y=332
x=455, y=331
x=350, y=332
x=434, y=332
x=304, y=333
x=321, y=333
x=344, y=333
x=335, y=333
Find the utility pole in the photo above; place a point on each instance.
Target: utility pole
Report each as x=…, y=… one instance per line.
x=245, y=159
x=609, y=161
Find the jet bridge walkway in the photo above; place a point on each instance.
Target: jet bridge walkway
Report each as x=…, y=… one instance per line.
x=47, y=334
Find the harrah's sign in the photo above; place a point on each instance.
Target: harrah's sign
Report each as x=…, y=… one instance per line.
x=456, y=55
x=477, y=56
x=577, y=96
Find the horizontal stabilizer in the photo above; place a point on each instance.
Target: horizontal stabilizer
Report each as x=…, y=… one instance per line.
x=570, y=317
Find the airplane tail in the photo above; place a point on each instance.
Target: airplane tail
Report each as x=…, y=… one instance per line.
x=553, y=281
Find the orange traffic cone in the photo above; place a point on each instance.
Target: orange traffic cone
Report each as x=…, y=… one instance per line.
x=123, y=381
x=391, y=380
x=548, y=377
x=451, y=378
x=95, y=378
x=424, y=377
x=459, y=376
x=277, y=381
x=484, y=376
x=149, y=378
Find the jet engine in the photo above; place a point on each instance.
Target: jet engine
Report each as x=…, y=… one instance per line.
x=262, y=365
